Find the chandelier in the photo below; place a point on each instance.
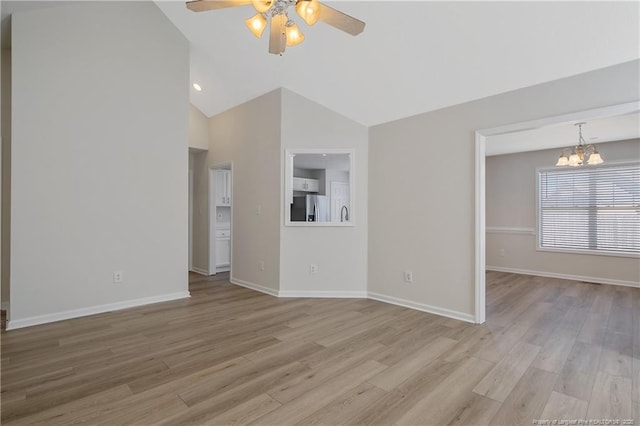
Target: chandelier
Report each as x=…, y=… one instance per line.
x=576, y=156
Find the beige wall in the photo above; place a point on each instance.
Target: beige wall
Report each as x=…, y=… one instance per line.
x=99, y=159
x=200, y=243
x=249, y=137
x=339, y=252
x=511, y=203
x=422, y=180
x=198, y=145
x=5, y=173
x=254, y=136
x=198, y=129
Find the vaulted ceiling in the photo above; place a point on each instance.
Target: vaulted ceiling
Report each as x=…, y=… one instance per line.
x=411, y=58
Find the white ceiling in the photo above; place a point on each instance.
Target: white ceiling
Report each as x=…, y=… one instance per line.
x=596, y=131
x=411, y=58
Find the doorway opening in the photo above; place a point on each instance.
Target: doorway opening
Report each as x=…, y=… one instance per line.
x=482, y=138
x=197, y=222
x=220, y=218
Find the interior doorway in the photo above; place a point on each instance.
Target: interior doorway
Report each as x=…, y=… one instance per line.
x=190, y=214
x=220, y=218
x=482, y=137
x=196, y=203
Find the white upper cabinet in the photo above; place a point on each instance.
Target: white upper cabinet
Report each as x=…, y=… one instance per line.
x=222, y=179
x=306, y=184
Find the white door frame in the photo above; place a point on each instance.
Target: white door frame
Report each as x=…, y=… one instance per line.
x=480, y=145
x=213, y=219
x=190, y=219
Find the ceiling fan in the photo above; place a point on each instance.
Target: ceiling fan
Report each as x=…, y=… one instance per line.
x=284, y=32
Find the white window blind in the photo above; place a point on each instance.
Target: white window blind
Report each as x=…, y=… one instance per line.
x=591, y=209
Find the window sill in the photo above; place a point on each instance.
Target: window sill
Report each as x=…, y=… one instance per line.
x=589, y=252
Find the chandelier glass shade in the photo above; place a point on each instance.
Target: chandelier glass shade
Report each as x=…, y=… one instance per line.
x=576, y=156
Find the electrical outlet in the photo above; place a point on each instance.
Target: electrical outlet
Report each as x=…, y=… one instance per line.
x=408, y=276
x=313, y=268
x=501, y=252
x=118, y=276
x=261, y=265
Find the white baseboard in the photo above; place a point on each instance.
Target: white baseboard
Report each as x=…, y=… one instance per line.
x=565, y=276
x=357, y=295
x=256, y=287
x=325, y=294
x=422, y=307
x=200, y=271
x=92, y=310
x=300, y=293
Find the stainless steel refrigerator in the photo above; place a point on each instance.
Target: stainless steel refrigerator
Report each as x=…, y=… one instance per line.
x=310, y=208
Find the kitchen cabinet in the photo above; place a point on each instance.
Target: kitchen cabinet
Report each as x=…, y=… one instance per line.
x=306, y=184
x=223, y=252
x=223, y=249
x=222, y=182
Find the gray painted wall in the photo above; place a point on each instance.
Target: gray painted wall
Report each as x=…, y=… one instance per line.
x=249, y=136
x=5, y=173
x=99, y=160
x=198, y=145
x=339, y=252
x=254, y=136
x=421, y=206
x=198, y=129
x=200, y=243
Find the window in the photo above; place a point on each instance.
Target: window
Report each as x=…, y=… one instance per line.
x=595, y=209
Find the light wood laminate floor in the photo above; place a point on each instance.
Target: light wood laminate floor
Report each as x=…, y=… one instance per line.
x=551, y=349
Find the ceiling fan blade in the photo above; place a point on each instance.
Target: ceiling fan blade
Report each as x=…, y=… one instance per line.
x=204, y=5
x=277, y=35
x=340, y=20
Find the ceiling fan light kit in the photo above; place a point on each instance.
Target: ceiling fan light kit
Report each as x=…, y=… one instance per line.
x=294, y=35
x=284, y=31
x=262, y=5
x=257, y=24
x=278, y=34
x=309, y=10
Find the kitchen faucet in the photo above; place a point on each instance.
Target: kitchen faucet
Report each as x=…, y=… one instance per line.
x=344, y=217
